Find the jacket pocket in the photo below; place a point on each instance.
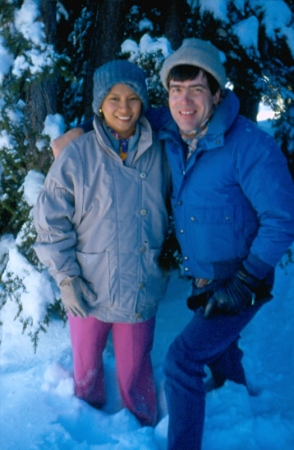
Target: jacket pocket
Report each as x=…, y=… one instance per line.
x=95, y=271
x=212, y=214
x=211, y=233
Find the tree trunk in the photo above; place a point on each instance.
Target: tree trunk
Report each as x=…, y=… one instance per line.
x=107, y=36
x=41, y=98
x=176, y=14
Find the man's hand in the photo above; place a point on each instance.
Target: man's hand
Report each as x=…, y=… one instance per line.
x=59, y=143
x=75, y=294
x=237, y=294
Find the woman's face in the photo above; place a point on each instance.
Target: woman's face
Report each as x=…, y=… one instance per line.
x=121, y=109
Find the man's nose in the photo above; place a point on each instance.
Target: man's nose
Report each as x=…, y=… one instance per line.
x=186, y=96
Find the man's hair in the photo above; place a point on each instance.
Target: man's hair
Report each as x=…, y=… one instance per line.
x=184, y=72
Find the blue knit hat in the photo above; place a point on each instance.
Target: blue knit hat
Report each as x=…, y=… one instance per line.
x=119, y=71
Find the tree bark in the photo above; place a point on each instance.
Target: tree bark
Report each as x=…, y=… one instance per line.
x=106, y=38
x=41, y=98
x=177, y=12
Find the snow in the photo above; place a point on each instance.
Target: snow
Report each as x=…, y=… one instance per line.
x=26, y=23
x=42, y=55
x=61, y=12
x=247, y=40
x=33, y=60
x=32, y=185
x=145, y=24
x=218, y=9
x=6, y=60
x=54, y=126
x=6, y=242
x=288, y=32
x=147, y=45
x=39, y=411
x=5, y=140
x=35, y=290
x=265, y=112
x=274, y=15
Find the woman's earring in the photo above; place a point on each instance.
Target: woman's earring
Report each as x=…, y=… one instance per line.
x=100, y=111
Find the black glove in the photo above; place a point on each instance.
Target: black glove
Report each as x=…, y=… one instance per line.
x=237, y=294
x=197, y=301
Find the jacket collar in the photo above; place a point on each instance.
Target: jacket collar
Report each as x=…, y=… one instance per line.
x=145, y=140
x=223, y=118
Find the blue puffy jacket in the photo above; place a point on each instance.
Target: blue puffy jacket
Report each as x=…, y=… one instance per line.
x=233, y=200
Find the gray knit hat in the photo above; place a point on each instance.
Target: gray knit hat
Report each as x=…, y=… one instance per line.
x=195, y=52
x=116, y=72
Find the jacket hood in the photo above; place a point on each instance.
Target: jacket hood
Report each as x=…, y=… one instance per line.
x=225, y=114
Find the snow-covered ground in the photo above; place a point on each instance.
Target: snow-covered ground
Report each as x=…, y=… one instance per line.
x=39, y=411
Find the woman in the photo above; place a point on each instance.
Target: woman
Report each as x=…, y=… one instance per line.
x=101, y=220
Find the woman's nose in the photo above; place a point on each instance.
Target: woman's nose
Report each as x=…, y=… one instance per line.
x=124, y=105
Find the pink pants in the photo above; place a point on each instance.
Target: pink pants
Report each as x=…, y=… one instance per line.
x=132, y=347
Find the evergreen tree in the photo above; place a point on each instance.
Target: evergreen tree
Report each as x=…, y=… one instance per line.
x=257, y=61
x=27, y=97
x=49, y=50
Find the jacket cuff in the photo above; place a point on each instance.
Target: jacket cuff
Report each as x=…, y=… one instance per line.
x=61, y=276
x=256, y=267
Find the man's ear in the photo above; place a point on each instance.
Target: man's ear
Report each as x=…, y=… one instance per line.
x=217, y=97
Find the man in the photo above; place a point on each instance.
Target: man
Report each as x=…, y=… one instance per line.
x=233, y=205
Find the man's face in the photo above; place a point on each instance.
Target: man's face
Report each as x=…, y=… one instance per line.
x=191, y=103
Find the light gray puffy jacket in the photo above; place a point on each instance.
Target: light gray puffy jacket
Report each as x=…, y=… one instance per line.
x=106, y=222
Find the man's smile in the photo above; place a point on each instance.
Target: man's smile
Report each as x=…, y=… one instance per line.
x=187, y=113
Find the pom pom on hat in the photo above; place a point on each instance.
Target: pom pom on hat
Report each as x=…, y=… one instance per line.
x=195, y=52
x=118, y=72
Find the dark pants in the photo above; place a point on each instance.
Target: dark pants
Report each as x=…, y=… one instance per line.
x=203, y=342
